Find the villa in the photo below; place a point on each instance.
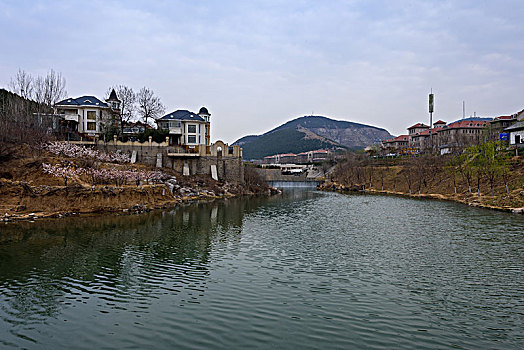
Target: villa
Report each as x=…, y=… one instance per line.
x=87, y=115
x=187, y=128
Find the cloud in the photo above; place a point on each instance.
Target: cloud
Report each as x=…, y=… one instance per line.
x=258, y=64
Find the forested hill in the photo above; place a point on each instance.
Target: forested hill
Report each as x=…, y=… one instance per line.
x=310, y=133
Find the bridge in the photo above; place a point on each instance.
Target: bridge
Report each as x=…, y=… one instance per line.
x=275, y=178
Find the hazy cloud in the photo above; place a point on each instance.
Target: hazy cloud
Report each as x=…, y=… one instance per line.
x=257, y=64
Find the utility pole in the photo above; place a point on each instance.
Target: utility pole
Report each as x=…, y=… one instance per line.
x=431, y=101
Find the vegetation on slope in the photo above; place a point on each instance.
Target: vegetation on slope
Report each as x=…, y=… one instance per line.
x=483, y=175
x=310, y=133
x=282, y=141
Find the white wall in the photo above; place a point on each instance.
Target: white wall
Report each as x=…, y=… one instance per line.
x=512, y=136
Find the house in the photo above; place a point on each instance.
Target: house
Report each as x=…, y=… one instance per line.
x=422, y=140
x=318, y=156
x=397, y=143
x=516, y=131
x=417, y=128
x=287, y=158
x=87, y=115
x=462, y=133
x=135, y=128
x=502, y=122
x=187, y=128
x=516, y=134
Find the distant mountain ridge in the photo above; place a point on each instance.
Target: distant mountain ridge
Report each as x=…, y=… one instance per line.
x=309, y=133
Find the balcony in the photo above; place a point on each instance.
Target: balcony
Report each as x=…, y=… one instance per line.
x=175, y=130
x=72, y=117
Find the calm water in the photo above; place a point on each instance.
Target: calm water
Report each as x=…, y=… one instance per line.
x=306, y=270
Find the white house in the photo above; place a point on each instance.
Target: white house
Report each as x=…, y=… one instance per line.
x=516, y=131
x=87, y=114
x=187, y=128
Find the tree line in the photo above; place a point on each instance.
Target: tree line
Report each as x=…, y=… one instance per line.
x=488, y=165
x=30, y=98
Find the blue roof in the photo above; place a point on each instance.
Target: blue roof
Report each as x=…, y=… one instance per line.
x=82, y=101
x=182, y=114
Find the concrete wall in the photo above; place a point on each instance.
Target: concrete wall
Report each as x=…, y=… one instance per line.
x=230, y=167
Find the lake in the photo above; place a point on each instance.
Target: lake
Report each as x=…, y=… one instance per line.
x=302, y=270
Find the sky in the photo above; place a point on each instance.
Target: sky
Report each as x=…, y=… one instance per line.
x=257, y=64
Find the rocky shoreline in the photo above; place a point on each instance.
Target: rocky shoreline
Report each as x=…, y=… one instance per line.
x=23, y=202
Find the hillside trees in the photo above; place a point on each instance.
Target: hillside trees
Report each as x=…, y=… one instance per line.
x=49, y=89
x=486, y=167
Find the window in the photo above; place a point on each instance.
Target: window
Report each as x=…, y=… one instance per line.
x=91, y=115
x=91, y=126
x=191, y=139
x=191, y=128
x=174, y=124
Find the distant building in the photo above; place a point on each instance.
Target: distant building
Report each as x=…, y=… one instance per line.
x=498, y=125
x=516, y=134
x=463, y=132
x=316, y=156
x=397, y=143
x=422, y=140
x=135, y=128
x=187, y=128
x=516, y=131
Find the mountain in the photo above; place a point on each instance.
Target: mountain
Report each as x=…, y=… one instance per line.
x=310, y=133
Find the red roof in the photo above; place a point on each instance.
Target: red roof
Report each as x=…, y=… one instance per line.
x=469, y=124
x=506, y=117
x=439, y=122
x=418, y=125
x=400, y=138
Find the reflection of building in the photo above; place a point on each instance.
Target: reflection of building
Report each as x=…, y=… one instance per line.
x=187, y=128
x=87, y=115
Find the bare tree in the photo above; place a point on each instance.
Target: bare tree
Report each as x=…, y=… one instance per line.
x=50, y=89
x=149, y=105
x=22, y=84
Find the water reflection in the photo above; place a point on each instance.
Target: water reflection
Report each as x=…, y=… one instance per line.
x=301, y=270
x=48, y=264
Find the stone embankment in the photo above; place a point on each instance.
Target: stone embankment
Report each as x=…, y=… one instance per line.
x=22, y=201
x=60, y=180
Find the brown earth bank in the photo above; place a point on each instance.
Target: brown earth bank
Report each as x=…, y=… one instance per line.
x=431, y=178
x=27, y=192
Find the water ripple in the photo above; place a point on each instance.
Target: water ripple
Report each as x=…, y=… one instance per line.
x=307, y=270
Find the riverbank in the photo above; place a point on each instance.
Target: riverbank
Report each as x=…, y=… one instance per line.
x=471, y=200
x=21, y=201
x=432, y=178
x=28, y=192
